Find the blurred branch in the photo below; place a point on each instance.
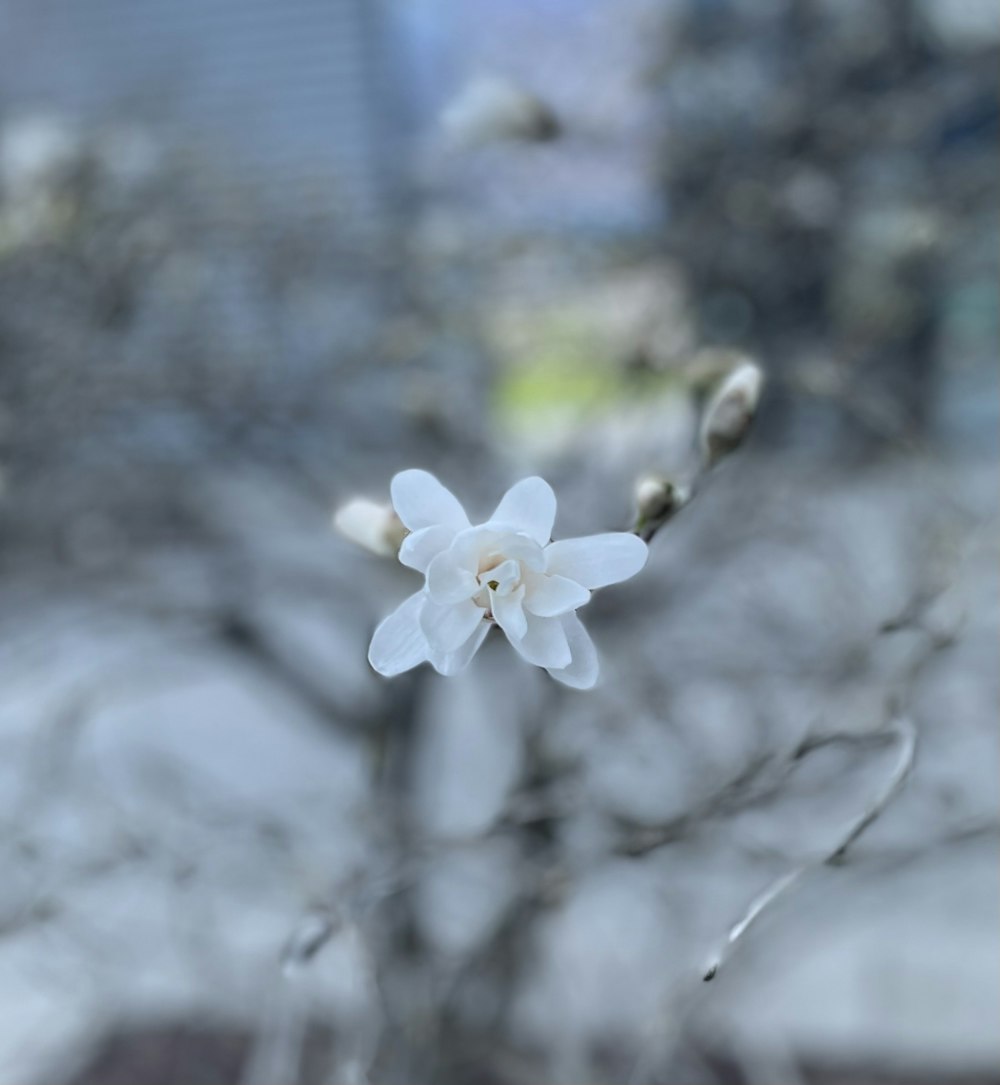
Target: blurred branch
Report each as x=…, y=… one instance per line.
x=900, y=730
x=964, y=834
x=277, y=1051
x=903, y=732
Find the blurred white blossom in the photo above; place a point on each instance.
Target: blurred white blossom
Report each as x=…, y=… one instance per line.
x=505, y=572
x=374, y=526
x=491, y=109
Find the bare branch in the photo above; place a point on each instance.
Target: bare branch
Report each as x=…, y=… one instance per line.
x=903, y=731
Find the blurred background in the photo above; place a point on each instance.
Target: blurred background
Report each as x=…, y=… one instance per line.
x=257, y=256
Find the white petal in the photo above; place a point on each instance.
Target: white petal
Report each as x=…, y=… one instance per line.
x=500, y=541
x=509, y=613
x=448, y=582
x=549, y=596
x=449, y=663
x=524, y=550
x=597, y=560
x=447, y=628
x=529, y=506
x=421, y=547
x=544, y=643
x=421, y=501
x=470, y=545
x=583, y=670
x=399, y=643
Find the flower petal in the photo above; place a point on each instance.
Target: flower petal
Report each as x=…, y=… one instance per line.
x=499, y=542
x=544, y=643
x=448, y=582
x=447, y=628
x=549, y=596
x=584, y=668
x=597, y=560
x=422, y=546
x=399, y=643
x=449, y=663
x=526, y=551
x=509, y=613
x=471, y=544
x=421, y=501
x=528, y=506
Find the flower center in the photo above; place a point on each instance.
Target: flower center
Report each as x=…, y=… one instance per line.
x=497, y=575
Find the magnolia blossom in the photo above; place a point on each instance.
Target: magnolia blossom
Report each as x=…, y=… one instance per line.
x=505, y=572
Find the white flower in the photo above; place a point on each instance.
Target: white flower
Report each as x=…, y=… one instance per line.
x=505, y=572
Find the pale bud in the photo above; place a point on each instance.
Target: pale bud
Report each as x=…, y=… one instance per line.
x=656, y=499
x=374, y=526
x=491, y=109
x=730, y=411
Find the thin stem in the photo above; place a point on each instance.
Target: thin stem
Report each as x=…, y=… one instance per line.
x=904, y=732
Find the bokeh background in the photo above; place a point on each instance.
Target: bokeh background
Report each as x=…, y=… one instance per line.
x=257, y=255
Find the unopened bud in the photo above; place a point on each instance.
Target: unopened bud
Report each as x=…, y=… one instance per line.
x=657, y=499
x=374, y=526
x=730, y=411
x=313, y=932
x=491, y=109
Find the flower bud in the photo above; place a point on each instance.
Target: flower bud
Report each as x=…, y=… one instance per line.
x=657, y=499
x=490, y=109
x=730, y=411
x=371, y=525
